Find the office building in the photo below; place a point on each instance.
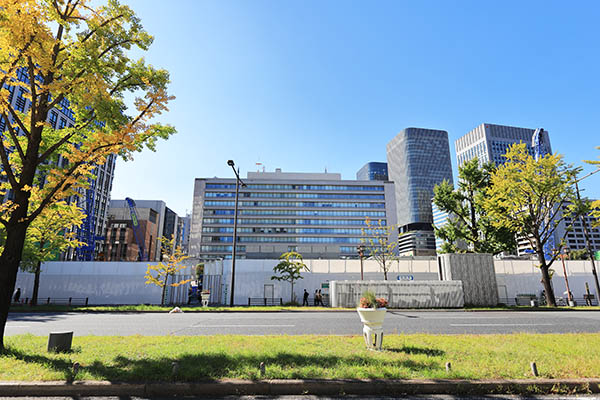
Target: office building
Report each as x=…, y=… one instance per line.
x=94, y=200
x=317, y=214
x=373, y=171
x=440, y=219
x=161, y=222
x=184, y=233
x=489, y=142
x=418, y=159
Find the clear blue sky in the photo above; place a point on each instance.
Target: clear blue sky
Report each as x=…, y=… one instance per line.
x=304, y=85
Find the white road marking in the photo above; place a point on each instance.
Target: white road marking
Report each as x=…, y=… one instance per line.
x=501, y=324
x=243, y=326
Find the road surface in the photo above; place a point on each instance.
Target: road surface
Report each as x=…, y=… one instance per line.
x=298, y=323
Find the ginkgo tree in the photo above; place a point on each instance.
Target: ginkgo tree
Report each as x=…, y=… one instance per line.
x=50, y=234
x=532, y=198
x=380, y=243
x=158, y=274
x=68, y=54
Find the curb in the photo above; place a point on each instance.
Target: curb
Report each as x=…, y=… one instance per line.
x=302, y=387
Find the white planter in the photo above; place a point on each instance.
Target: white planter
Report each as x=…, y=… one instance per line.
x=372, y=319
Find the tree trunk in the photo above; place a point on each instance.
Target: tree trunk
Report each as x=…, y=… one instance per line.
x=36, y=284
x=551, y=301
x=9, y=266
x=292, y=296
x=539, y=249
x=164, y=290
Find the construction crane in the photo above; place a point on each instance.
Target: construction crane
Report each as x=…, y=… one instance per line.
x=136, y=225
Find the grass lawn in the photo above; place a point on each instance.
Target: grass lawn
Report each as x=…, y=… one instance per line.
x=144, y=359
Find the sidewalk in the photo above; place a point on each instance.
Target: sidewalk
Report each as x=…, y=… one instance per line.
x=302, y=387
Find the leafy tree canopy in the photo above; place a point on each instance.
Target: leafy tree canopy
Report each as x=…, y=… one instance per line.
x=469, y=228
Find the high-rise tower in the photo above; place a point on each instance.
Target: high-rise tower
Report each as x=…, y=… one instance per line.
x=418, y=159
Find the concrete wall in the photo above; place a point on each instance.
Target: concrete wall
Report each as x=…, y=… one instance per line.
x=476, y=271
x=399, y=294
x=523, y=277
x=251, y=276
x=101, y=282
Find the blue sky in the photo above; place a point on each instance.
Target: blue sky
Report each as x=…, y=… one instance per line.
x=309, y=85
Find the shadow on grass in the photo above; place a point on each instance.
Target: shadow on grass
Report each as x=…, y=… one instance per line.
x=209, y=367
x=416, y=350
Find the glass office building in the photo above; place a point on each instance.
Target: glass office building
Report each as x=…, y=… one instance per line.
x=418, y=159
x=489, y=142
x=317, y=214
x=373, y=171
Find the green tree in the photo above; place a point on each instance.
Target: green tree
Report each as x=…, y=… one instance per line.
x=172, y=258
x=289, y=269
x=581, y=254
x=532, y=197
x=596, y=204
x=50, y=234
x=68, y=54
x=468, y=223
x=380, y=244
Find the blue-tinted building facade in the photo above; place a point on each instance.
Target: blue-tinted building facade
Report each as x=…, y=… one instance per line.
x=418, y=159
x=319, y=215
x=373, y=171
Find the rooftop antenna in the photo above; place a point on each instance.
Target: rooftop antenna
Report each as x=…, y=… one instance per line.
x=258, y=164
x=325, y=169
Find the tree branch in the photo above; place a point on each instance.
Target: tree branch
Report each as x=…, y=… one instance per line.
x=7, y=167
x=14, y=137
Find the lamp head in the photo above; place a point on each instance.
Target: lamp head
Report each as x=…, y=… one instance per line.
x=230, y=163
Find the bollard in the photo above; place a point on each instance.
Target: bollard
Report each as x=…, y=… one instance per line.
x=175, y=368
x=262, y=369
x=534, y=370
x=60, y=341
x=448, y=367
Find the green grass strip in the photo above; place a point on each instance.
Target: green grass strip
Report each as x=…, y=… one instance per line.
x=149, y=359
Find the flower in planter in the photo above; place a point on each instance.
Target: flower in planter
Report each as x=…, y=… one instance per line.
x=368, y=300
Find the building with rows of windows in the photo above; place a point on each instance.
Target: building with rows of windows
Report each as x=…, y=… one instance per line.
x=489, y=142
x=317, y=214
x=95, y=200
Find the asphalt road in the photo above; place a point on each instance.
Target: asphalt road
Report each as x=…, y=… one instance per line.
x=297, y=323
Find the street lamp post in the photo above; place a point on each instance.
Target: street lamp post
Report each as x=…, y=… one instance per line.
x=361, y=252
x=235, y=218
x=587, y=235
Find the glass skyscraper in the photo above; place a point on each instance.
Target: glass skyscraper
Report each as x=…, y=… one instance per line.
x=489, y=142
x=373, y=171
x=418, y=159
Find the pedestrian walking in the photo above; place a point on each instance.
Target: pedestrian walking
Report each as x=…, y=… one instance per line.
x=305, y=298
x=320, y=298
x=316, y=299
x=17, y=295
